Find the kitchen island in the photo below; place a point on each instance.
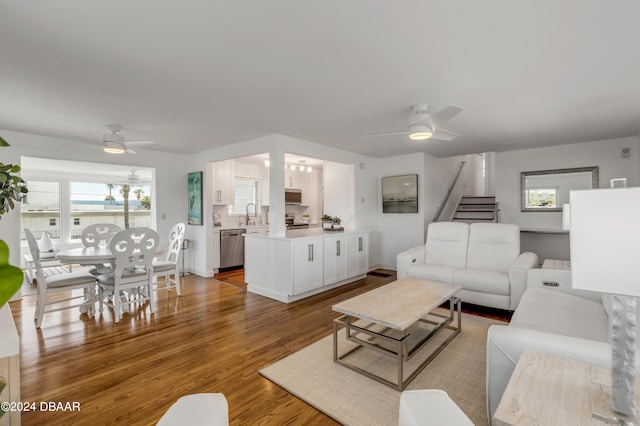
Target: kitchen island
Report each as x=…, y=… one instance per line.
x=304, y=262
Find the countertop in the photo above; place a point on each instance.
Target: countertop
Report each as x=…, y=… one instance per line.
x=305, y=233
x=224, y=228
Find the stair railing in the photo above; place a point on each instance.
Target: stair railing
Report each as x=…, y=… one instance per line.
x=446, y=197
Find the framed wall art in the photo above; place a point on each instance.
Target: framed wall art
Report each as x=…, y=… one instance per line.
x=400, y=194
x=194, y=189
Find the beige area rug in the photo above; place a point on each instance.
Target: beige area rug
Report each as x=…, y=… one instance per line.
x=354, y=399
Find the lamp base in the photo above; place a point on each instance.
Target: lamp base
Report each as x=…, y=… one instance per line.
x=600, y=400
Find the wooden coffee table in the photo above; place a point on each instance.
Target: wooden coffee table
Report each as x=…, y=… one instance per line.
x=396, y=319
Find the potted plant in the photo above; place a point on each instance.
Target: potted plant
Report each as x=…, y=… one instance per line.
x=336, y=222
x=306, y=217
x=327, y=221
x=12, y=188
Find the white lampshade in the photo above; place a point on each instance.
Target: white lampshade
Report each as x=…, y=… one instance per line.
x=566, y=217
x=605, y=230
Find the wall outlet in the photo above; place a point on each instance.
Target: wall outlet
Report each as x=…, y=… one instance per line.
x=626, y=152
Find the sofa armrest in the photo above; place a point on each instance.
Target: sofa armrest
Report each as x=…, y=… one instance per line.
x=405, y=259
x=557, y=279
x=518, y=276
x=505, y=344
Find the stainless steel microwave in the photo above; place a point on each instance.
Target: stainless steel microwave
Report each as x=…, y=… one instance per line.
x=292, y=196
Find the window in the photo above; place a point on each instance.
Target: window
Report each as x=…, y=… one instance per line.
x=542, y=197
x=40, y=212
x=105, y=203
x=245, y=191
x=63, y=207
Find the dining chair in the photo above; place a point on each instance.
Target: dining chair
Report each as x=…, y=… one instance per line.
x=99, y=234
x=60, y=282
x=132, y=274
x=168, y=266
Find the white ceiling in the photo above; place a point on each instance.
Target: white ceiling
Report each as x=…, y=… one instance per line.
x=199, y=74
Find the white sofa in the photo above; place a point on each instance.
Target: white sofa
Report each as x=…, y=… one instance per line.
x=569, y=323
x=483, y=258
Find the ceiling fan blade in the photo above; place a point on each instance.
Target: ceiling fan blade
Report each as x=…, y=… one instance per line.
x=444, y=135
x=139, y=143
x=397, y=132
x=129, y=150
x=445, y=114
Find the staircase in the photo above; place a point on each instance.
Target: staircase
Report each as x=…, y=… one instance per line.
x=476, y=209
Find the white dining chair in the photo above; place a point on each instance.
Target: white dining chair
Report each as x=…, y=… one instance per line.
x=168, y=266
x=96, y=235
x=133, y=249
x=99, y=234
x=60, y=282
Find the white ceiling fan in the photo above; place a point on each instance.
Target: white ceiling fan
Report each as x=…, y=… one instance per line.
x=133, y=178
x=114, y=143
x=425, y=124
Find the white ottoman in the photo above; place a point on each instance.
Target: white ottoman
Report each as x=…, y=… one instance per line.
x=430, y=407
x=210, y=409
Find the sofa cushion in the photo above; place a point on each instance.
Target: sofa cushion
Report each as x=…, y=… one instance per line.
x=562, y=313
x=483, y=281
x=439, y=273
x=447, y=244
x=493, y=246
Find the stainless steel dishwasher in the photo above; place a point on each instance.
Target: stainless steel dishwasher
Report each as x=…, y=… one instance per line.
x=231, y=247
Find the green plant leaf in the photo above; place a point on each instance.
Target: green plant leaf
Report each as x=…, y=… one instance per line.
x=10, y=276
x=3, y=142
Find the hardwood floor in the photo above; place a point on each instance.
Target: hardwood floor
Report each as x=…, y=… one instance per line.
x=213, y=338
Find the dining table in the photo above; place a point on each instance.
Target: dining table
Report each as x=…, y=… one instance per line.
x=91, y=255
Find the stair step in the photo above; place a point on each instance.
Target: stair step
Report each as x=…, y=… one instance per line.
x=478, y=200
x=473, y=215
x=476, y=208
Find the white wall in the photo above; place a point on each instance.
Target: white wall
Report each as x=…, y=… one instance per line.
x=604, y=154
x=169, y=199
x=400, y=231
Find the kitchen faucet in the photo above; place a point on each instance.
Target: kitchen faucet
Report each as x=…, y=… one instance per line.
x=255, y=211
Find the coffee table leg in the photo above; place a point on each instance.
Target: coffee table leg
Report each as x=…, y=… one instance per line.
x=453, y=302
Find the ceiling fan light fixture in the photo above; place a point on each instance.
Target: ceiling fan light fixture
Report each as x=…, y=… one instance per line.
x=113, y=148
x=420, y=132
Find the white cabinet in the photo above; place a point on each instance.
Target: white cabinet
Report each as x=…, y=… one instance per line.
x=358, y=253
x=307, y=264
x=291, y=179
x=223, y=182
x=336, y=259
x=292, y=268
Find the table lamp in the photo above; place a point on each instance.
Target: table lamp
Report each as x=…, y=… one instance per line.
x=605, y=230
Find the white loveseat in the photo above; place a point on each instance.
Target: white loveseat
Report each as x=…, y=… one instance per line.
x=565, y=322
x=483, y=258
